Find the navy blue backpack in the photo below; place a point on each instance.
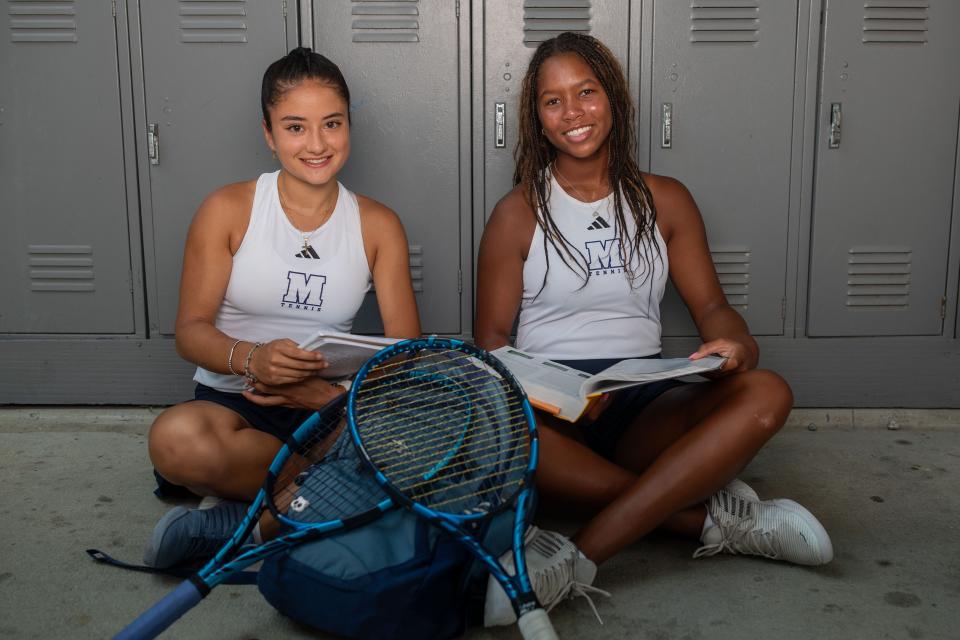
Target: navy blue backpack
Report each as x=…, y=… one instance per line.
x=395, y=578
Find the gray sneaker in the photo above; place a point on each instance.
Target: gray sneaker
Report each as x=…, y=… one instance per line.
x=187, y=535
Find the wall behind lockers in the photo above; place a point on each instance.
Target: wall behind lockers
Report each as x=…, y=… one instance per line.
x=819, y=137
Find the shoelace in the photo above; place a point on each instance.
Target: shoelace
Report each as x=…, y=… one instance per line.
x=558, y=583
x=739, y=538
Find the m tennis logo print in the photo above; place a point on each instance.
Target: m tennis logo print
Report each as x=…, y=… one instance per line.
x=604, y=256
x=599, y=223
x=304, y=291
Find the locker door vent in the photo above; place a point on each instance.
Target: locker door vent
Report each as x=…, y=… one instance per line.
x=544, y=19
x=733, y=270
x=416, y=268
x=213, y=22
x=60, y=267
x=724, y=21
x=878, y=277
x=31, y=21
x=895, y=21
x=380, y=21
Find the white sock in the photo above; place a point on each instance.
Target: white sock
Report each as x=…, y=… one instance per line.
x=708, y=523
x=257, y=538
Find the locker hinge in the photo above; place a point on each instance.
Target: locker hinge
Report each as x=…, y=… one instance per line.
x=130, y=281
x=943, y=307
x=113, y=7
x=783, y=308
x=458, y=8
x=459, y=280
x=284, y=8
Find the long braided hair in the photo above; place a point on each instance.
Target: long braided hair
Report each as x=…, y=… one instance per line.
x=534, y=155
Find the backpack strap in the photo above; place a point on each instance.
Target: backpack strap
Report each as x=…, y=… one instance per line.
x=241, y=577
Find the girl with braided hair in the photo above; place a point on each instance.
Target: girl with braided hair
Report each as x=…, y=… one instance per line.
x=582, y=247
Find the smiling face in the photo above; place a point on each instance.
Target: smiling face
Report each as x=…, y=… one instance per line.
x=310, y=132
x=573, y=107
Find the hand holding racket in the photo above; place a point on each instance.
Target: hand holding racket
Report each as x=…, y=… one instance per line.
x=315, y=487
x=450, y=435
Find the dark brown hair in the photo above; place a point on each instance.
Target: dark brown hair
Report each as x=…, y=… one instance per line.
x=292, y=69
x=534, y=155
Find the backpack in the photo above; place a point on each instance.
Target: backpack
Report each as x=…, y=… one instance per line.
x=398, y=577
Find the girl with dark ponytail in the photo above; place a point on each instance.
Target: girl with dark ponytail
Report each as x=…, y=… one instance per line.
x=582, y=248
x=268, y=262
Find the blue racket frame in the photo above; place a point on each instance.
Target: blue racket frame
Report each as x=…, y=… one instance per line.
x=192, y=590
x=458, y=525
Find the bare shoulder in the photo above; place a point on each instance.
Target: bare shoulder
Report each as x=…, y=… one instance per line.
x=675, y=205
x=373, y=212
x=229, y=204
x=514, y=208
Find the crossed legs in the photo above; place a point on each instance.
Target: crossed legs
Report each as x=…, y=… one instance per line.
x=211, y=450
x=682, y=448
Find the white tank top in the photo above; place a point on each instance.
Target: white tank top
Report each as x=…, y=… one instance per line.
x=605, y=318
x=278, y=290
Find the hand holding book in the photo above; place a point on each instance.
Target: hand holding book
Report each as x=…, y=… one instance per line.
x=566, y=392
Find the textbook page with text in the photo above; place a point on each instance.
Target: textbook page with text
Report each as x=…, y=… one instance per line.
x=567, y=392
x=345, y=352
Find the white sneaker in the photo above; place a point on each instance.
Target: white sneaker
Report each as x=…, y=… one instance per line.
x=776, y=529
x=557, y=571
x=741, y=488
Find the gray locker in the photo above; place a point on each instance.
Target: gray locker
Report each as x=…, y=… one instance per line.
x=401, y=62
x=722, y=123
x=65, y=250
x=511, y=32
x=202, y=67
x=886, y=157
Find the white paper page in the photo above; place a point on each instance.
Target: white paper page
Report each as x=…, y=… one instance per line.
x=644, y=370
x=345, y=352
x=542, y=373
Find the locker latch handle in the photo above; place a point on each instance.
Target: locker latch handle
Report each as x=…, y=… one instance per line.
x=666, y=125
x=500, y=125
x=836, y=115
x=153, y=143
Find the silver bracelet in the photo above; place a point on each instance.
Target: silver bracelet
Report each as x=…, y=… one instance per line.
x=230, y=358
x=246, y=365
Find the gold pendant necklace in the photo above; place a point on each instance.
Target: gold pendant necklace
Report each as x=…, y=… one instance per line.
x=583, y=198
x=304, y=235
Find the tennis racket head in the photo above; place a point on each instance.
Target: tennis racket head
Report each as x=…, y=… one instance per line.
x=445, y=426
x=321, y=478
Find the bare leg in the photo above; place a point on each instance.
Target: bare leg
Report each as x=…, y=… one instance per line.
x=683, y=447
x=211, y=450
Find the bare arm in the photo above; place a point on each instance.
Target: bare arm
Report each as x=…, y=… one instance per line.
x=503, y=250
x=214, y=237
x=385, y=243
x=722, y=329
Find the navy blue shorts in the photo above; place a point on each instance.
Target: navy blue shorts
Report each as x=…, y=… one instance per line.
x=278, y=422
x=603, y=434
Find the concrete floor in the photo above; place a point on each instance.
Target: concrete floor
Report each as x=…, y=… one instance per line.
x=884, y=483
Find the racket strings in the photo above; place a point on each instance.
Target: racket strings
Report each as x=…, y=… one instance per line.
x=324, y=480
x=443, y=430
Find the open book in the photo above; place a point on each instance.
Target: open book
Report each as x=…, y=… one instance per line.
x=566, y=392
x=345, y=352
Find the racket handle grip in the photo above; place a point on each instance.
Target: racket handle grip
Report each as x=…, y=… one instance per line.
x=535, y=625
x=154, y=620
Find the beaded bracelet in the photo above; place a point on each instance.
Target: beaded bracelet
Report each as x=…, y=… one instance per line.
x=230, y=358
x=246, y=365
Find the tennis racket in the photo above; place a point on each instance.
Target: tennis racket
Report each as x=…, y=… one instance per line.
x=450, y=435
x=316, y=485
